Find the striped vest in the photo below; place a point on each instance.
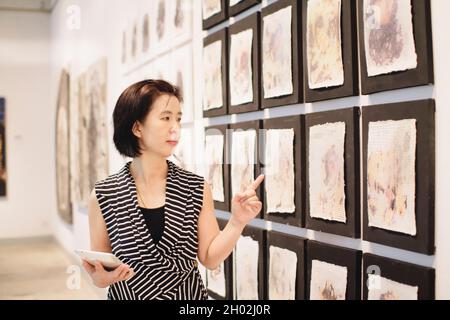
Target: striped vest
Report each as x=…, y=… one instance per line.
x=168, y=269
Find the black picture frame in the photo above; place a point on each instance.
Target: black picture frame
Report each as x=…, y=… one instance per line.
x=259, y=235
x=241, y=6
x=218, y=17
x=292, y=243
x=256, y=125
x=350, y=87
x=349, y=258
x=222, y=36
x=424, y=113
x=296, y=55
x=350, y=116
x=228, y=270
x=216, y=130
x=423, y=74
x=399, y=271
x=297, y=123
x=250, y=22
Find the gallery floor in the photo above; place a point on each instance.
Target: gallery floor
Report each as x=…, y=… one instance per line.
x=38, y=270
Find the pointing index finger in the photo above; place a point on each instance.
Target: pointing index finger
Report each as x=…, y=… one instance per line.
x=255, y=184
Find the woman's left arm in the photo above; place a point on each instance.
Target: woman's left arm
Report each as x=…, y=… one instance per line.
x=214, y=246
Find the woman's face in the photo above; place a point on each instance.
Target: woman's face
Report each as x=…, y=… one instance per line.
x=160, y=131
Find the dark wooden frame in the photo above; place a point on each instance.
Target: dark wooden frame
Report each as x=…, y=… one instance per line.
x=349, y=56
x=351, y=228
x=402, y=272
x=423, y=74
x=424, y=113
x=292, y=243
x=254, y=124
x=225, y=206
x=297, y=123
x=228, y=270
x=218, y=17
x=221, y=35
x=296, y=54
x=250, y=22
x=259, y=235
x=241, y=6
x=339, y=256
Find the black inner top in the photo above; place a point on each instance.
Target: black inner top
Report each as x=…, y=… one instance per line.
x=154, y=218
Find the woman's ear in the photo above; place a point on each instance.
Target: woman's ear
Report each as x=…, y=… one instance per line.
x=137, y=129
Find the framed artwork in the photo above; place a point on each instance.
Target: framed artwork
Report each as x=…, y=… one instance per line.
x=283, y=166
x=330, y=54
x=244, y=160
x=3, y=172
x=286, y=266
x=92, y=129
x=398, y=175
x=62, y=133
x=217, y=166
x=388, y=279
x=181, y=75
x=179, y=18
x=333, y=172
x=213, y=12
x=215, y=75
x=220, y=280
x=395, y=43
x=280, y=56
x=244, y=66
x=249, y=273
x=334, y=273
x=237, y=6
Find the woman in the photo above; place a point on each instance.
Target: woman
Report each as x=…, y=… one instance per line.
x=153, y=215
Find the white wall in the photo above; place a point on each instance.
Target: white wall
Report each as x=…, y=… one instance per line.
x=25, y=83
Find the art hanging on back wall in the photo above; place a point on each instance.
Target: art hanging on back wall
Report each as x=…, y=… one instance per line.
x=213, y=12
x=63, y=183
x=237, y=6
x=92, y=152
x=3, y=175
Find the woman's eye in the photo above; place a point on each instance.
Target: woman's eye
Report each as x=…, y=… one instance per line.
x=166, y=118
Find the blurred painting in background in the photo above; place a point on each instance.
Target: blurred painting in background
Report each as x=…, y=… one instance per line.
x=2, y=148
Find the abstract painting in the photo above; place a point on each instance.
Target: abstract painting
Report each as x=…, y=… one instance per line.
x=92, y=129
x=247, y=270
x=388, y=36
x=282, y=273
x=326, y=171
x=214, y=156
x=242, y=159
x=277, y=53
x=279, y=171
x=328, y=281
x=145, y=34
x=180, y=21
x=391, y=175
x=386, y=289
x=213, y=77
x=63, y=183
x=241, y=73
x=324, y=46
x=3, y=175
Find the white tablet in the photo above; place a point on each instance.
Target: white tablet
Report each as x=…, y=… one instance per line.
x=108, y=260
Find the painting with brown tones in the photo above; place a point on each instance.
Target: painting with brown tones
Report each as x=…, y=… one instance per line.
x=242, y=160
x=282, y=273
x=145, y=34
x=328, y=281
x=161, y=20
x=62, y=149
x=388, y=36
x=214, y=149
x=212, y=83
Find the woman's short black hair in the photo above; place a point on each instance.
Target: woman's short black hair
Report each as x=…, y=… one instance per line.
x=133, y=105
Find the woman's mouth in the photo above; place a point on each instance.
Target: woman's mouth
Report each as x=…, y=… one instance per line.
x=173, y=143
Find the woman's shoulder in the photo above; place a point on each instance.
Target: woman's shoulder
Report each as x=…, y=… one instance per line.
x=190, y=177
x=112, y=180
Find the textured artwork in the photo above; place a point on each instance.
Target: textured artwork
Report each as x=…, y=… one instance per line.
x=124, y=47
x=388, y=36
x=326, y=171
x=210, y=8
x=214, y=146
x=323, y=41
x=92, y=129
x=328, y=281
x=212, y=83
x=145, y=33
x=216, y=280
x=391, y=159
x=279, y=174
x=3, y=175
x=277, y=53
x=247, y=268
x=385, y=289
x=282, y=273
x=161, y=12
x=242, y=160
x=180, y=20
x=63, y=182
x=241, y=73
x=134, y=39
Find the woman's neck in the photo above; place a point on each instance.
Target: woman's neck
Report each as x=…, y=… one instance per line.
x=147, y=168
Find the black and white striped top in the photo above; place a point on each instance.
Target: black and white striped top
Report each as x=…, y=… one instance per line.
x=168, y=269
